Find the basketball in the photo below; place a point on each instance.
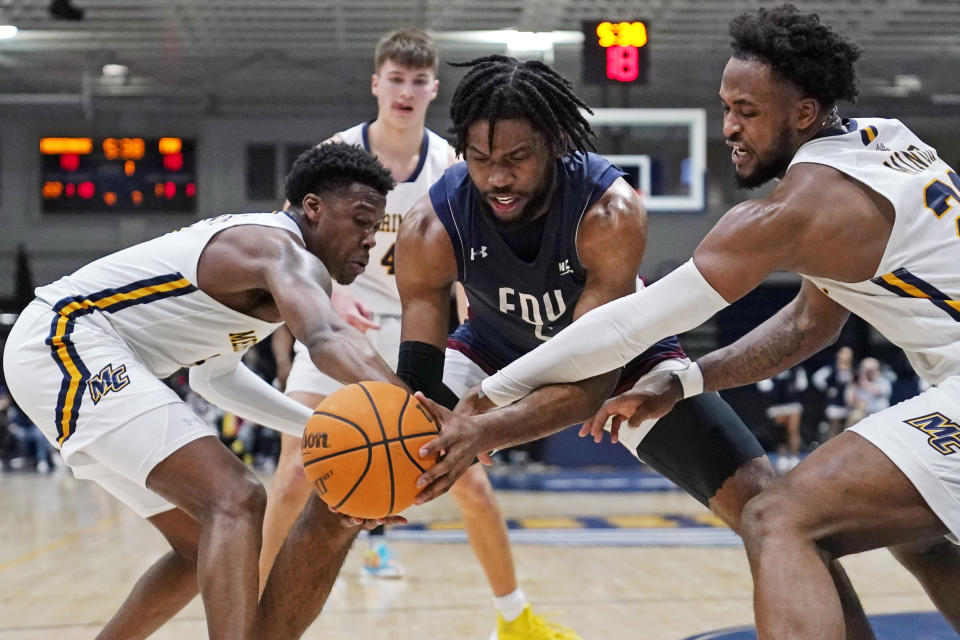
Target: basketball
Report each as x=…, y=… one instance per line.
x=360, y=449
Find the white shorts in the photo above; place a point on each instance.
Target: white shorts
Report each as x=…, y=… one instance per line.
x=778, y=410
x=836, y=412
x=461, y=374
x=922, y=437
x=306, y=378
x=112, y=419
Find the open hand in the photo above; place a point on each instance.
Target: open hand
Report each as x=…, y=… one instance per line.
x=459, y=446
x=653, y=396
x=353, y=311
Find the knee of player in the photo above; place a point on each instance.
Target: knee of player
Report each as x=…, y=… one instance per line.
x=243, y=499
x=764, y=517
x=473, y=490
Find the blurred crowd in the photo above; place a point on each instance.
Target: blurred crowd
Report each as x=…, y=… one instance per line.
x=847, y=393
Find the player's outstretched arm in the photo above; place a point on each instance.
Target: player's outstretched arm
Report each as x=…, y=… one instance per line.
x=747, y=244
x=228, y=383
x=271, y=264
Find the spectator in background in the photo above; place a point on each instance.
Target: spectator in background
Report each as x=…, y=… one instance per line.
x=785, y=390
x=833, y=380
x=870, y=391
x=37, y=452
x=8, y=443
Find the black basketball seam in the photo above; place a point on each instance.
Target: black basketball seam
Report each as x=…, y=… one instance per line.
x=369, y=456
x=403, y=442
x=386, y=447
x=367, y=446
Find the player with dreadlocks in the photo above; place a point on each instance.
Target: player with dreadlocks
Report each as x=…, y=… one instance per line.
x=539, y=231
x=864, y=183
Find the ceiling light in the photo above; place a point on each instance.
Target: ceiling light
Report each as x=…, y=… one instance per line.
x=115, y=71
x=7, y=31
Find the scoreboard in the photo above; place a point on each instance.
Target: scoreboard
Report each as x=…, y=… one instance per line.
x=123, y=175
x=615, y=51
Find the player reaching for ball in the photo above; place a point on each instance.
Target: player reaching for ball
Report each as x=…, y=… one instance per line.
x=360, y=449
x=200, y=297
x=404, y=83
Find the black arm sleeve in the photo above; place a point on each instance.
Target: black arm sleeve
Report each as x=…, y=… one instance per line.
x=420, y=365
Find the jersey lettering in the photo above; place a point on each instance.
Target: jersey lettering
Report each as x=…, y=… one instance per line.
x=914, y=160
x=242, y=340
x=390, y=223
x=530, y=310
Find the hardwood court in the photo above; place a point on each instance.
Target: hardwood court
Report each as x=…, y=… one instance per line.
x=70, y=553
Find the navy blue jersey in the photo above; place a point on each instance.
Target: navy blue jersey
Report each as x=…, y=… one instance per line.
x=515, y=303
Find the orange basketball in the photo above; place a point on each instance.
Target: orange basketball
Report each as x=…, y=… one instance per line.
x=360, y=449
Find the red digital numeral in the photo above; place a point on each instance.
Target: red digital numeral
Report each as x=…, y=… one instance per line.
x=623, y=63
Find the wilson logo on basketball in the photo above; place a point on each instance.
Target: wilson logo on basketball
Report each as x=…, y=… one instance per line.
x=316, y=440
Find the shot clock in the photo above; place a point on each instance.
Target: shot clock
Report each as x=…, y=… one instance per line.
x=615, y=51
x=120, y=174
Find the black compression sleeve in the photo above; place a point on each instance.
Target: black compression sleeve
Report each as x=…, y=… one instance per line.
x=420, y=365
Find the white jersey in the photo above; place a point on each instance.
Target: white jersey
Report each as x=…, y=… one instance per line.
x=148, y=295
x=377, y=285
x=914, y=297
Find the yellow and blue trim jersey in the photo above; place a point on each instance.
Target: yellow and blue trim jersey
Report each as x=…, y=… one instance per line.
x=148, y=296
x=914, y=297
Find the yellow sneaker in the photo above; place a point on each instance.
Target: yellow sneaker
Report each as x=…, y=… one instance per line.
x=530, y=626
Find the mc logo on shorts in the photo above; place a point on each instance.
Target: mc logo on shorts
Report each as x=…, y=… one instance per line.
x=109, y=379
x=944, y=433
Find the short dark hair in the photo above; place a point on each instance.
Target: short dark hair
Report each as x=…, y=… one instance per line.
x=502, y=88
x=411, y=48
x=800, y=49
x=332, y=166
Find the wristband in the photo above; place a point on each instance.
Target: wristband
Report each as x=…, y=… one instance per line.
x=691, y=380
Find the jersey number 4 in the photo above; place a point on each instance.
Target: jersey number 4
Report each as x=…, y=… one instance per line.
x=937, y=195
x=387, y=260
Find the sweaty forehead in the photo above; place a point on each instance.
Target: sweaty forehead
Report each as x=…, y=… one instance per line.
x=752, y=81
x=507, y=134
x=361, y=196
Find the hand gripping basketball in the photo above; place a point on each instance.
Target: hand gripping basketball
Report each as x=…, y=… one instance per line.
x=360, y=449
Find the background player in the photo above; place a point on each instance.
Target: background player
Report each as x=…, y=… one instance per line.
x=539, y=232
x=865, y=183
x=198, y=297
x=404, y=84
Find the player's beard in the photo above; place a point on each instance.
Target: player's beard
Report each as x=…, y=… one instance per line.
x=772, y=167
x=536, y=204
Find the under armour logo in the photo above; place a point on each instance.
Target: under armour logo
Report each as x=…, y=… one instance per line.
x=564, y=266
x=482, y=253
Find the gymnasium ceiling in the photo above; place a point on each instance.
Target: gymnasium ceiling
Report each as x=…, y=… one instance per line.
x=295, y=56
